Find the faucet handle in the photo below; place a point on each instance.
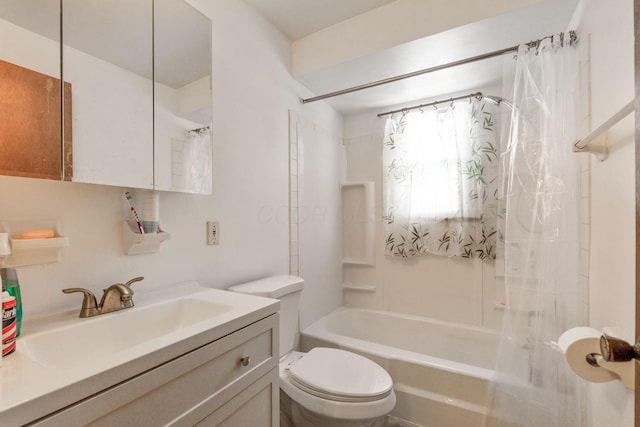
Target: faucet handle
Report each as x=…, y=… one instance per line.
x=89, y=305
x=134, y=280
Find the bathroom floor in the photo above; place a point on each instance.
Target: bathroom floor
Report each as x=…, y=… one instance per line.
x=397, y=422
x=391, y=422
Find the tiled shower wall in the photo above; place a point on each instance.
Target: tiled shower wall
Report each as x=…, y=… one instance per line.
x=315, y=171
x=585, y=126
x=294, y=235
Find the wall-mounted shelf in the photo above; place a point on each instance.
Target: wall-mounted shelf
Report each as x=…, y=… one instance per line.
x=32, y=251
x=358, y=287
x=358, y=223
x=136, y=243
x=351, y=261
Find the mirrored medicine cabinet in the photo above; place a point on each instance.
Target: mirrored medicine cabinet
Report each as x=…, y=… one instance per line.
x=136, y=107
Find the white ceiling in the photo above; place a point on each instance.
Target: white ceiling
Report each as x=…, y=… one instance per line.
x=544, y=18
x=299, y=18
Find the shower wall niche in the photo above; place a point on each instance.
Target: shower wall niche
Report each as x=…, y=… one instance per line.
x=358, y=223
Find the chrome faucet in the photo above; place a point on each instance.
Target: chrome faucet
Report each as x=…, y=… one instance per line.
x=115, y=297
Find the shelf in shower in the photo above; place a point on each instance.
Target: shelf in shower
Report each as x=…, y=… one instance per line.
x=358, y=223
x=358, y=287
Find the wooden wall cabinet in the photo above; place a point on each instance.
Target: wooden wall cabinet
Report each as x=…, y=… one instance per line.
x=31, y=148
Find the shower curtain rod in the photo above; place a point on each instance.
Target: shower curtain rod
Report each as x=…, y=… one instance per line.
x=572, y=38
x=198, y=130
x=478, y=95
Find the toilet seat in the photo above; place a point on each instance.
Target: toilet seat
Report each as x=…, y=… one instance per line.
x=340, y=375
x=337, y=404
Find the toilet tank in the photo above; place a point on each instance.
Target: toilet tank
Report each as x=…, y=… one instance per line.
x=287, y=289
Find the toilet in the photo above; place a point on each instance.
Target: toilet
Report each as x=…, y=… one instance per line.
x=325, y=387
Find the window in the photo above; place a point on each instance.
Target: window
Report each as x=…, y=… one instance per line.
x=440, y=169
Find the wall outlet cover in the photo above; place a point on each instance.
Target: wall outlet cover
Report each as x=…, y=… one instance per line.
x=213, y=233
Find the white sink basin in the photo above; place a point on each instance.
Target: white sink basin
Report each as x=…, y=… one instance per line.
x=104, y=335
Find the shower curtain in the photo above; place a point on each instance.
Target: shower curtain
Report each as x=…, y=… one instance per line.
x=533, y=385
x=198, y=161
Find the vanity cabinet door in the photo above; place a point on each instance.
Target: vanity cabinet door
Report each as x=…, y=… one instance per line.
x=141, y=76
x=207, y=384
x=256, y=406
x=108, y=60
x=183, y=159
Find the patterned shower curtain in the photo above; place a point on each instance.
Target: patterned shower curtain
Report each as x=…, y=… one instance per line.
x=440, y=171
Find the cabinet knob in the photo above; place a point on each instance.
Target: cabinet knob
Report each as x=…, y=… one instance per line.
x=244, y=360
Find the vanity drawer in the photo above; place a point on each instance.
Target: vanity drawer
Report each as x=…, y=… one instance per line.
x=185, y=390
x=257, y=406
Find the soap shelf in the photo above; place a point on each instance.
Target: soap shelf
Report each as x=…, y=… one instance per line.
x=32, y=251
x=358, y=287
x=136, y=243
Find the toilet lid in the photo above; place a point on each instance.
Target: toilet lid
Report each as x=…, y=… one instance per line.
x=340, y=375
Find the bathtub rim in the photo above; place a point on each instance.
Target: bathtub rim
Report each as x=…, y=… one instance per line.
x=318, y=330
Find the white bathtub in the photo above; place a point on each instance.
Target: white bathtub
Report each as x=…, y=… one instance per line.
x=440, y=370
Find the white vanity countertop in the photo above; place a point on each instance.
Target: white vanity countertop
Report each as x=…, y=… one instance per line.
x=61, y=359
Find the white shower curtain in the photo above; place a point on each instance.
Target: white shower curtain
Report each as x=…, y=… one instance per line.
x=198, y=161
x=533, y=385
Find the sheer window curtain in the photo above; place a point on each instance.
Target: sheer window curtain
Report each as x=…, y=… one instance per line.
x=533, y=386
x=440, y=181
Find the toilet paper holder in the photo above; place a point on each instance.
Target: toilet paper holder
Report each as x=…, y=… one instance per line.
x=614, y=352
x=618, y=350
x=599, y=357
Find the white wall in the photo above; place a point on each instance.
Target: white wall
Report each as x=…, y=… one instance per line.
x=609, y=26
x=253, y=92
x=354, y=38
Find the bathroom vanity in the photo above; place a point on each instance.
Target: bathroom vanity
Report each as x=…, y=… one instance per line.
x=186, y=356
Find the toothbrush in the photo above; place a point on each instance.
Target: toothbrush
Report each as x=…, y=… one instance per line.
x=133, y=212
